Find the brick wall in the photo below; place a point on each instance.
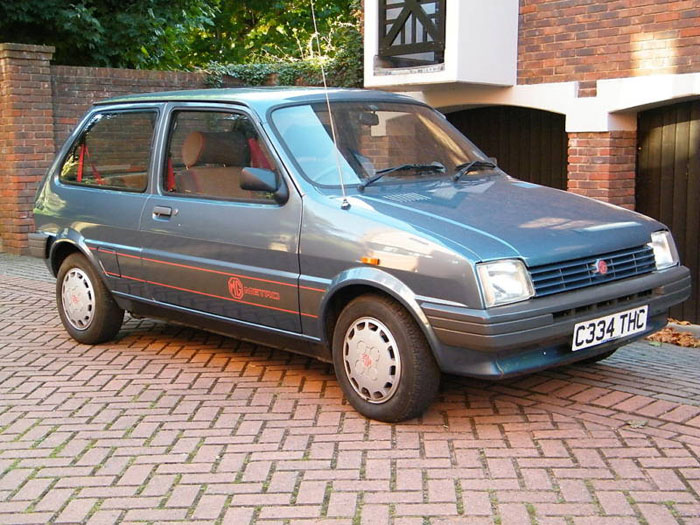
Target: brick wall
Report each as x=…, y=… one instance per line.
x=26, y=137
x=602, y=166
x=39, y=106
x=564, y=40
x=74, y=90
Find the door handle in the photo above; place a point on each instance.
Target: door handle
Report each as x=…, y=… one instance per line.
x=162, y=211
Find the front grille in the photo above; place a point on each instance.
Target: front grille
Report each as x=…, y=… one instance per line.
x=564, y=276
x=618, y=303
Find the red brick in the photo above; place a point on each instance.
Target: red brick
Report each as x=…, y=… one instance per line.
x=657, y=514
x=426, y=509
x=600, y=164
x=342, y=504
x=598, y=35
x=311, y=492
x=75, y=511
x=39, y=105
x=514, y=513
x=554, y=456
x=375, y=514
x=681, y=414
x=209, y=507
x=614, y=503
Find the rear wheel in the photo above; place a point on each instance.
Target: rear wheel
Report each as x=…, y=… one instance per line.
x=88, y=312
x=382, y=360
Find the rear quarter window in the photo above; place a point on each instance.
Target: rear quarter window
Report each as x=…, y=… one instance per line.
x=113, y=152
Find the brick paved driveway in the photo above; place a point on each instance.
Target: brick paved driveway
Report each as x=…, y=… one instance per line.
x=169, y=424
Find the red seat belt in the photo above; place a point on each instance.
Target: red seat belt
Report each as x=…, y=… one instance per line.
x=95, y=173
x=257, y=156
x=170, y=177
x=81, y=159
x=81, y=162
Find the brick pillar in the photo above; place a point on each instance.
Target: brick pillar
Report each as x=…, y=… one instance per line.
x=26, y=137
x=602, y=166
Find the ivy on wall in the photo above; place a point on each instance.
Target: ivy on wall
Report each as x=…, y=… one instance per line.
x=255, y=41
x=341, y=56
x=340, y=72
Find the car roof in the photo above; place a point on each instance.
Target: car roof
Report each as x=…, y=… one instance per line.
x=260, y=98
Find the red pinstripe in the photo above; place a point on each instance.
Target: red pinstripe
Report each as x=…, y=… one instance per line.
x=228, y=274
x=210, y=295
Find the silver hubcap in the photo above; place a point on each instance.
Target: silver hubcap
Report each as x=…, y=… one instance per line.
x=371, y=359
x=78, y=299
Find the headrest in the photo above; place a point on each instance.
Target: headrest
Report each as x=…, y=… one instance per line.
x=221, y=147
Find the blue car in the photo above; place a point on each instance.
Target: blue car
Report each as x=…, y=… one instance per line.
x=354, y=226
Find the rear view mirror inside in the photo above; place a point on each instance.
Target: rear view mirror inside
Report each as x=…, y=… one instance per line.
x=369, y=119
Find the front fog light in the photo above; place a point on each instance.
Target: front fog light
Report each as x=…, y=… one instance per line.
x=504, y=282
x=664, y=248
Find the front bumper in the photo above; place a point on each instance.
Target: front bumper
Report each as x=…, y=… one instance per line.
x=537, y=334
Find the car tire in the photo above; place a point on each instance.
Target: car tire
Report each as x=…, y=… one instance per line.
x=382, y=360
x=86, y=307
x=600, y=357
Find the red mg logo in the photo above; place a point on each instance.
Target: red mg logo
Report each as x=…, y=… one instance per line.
x=600, y=267
x=235, y=288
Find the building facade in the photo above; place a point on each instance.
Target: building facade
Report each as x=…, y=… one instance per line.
x=598, y=97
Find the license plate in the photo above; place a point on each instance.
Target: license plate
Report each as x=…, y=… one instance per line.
x=610, y=327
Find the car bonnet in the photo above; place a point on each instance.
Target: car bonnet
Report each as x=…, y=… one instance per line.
x=497, y=216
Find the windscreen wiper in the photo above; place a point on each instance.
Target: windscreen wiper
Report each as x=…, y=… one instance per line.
x=435, y=166
x=466, y=167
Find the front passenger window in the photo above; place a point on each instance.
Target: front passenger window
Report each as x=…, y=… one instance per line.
x=207, y=152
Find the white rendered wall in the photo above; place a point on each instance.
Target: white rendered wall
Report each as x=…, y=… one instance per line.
x=613, y=109
x=481, y=47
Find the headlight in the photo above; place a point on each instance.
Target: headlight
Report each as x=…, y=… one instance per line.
x=664, y=248
x=503, y=282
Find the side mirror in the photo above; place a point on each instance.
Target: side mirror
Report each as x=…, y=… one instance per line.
x=494, y=160
x=260, y=179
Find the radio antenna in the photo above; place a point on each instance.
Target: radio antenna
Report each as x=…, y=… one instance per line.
x=345, y=204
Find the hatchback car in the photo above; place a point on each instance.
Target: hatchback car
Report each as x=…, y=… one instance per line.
x=361, y=229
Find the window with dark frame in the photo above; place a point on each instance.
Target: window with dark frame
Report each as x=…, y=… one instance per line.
x=207, y=151
x=411, y=33
x=113, y=152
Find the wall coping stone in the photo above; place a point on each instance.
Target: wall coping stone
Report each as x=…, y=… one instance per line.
x=26, y=51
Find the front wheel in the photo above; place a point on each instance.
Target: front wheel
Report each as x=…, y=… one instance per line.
x=382, y=360
x=85, y=305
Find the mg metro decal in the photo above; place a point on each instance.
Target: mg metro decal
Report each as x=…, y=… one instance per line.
x=235, y=288
x=238, y=291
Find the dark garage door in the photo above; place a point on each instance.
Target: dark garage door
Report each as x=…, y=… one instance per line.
x=529, y=144
x=668, y=183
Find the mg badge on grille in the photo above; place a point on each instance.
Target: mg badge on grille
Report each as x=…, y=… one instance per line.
x=600, y=267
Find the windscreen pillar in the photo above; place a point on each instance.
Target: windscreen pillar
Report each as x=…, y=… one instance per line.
x=26, y=137
x=602, y=166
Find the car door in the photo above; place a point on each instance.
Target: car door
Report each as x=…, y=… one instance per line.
x=101, y=189
x=209, y=246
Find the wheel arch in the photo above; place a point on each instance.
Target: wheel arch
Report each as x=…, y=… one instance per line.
x=67, y=243
x=360, y=281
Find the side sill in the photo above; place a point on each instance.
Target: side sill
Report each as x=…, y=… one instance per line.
x=273, y=337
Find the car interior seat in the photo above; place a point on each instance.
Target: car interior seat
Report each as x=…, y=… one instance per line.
x=213, y=164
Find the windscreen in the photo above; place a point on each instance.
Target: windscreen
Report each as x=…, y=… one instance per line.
x=371, y=137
